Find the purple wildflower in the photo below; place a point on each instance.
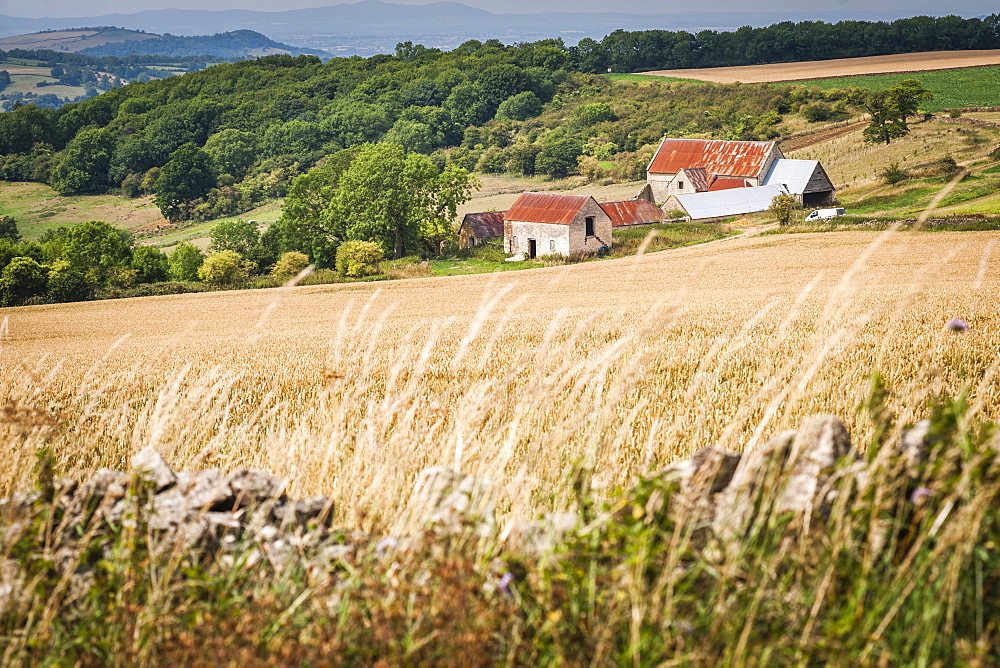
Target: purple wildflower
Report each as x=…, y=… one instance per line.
x=384, y=546
x=957, y=325
x=919, y=495
x=504, y=584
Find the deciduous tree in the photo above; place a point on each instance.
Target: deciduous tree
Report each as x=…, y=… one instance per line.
x=889, y=110
x=8, y=228
x=188, y=175
x=83, y=166
x=397, y=200
x=150, y=264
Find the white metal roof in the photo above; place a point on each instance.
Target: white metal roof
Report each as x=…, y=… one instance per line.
x=733, y=202
x=793, y=174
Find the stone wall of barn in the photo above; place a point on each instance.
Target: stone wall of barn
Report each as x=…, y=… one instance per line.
x=550, y=238
x=579, y=242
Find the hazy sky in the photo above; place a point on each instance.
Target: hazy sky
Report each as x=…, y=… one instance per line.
x=59, y=8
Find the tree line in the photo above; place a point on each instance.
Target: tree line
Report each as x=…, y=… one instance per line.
x=634, y=51
x=352, y=210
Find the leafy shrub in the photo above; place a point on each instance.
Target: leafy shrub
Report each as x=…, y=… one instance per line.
x=67, y=284
x=22, y=279
x=894, y=174
x=226, y=267
x=816, y=112
x=593, y=113
x=184, y=262
x=782, y=207
x=289, y=265
x=358, y=258
x=492, y=161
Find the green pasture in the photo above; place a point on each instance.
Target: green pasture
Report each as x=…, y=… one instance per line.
x=649, y=79
x=964, y=87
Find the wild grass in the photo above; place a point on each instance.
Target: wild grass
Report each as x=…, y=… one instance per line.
x=627, y=241
x=568, y=388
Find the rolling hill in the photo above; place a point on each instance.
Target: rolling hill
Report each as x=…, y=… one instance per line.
x=112, y=41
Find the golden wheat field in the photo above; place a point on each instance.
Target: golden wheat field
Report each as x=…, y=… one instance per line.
x=839, y=67
x=619, y=365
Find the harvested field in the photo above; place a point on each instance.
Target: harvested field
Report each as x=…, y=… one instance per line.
x=623, y=364
x=822, y=69
x=813, y=138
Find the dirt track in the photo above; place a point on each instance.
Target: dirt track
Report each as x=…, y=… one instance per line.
x=822, y=69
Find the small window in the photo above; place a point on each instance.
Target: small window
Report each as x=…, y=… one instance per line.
x=680, y=185
x=552, y=244
x=590, y=226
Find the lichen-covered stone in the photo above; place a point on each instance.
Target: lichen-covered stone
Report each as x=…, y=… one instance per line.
x=150, y=466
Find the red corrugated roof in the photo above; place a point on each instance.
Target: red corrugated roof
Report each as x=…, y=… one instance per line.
x=546, y=208
x=485, y=225
x=723, y=183
x=632, y=212
x=717, y=156
x=698, y=177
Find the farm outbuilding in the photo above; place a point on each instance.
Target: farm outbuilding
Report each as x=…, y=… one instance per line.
x=806, y=179
x=479, y=228
x=546, y=224
x=687, y=166
x=725, y=203
x=632, y=212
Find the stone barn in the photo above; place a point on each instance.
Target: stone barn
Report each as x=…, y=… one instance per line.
x=688, y=166
x=479, y=228
x=546, y=224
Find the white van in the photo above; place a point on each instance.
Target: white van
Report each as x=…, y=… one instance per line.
x=820, y=214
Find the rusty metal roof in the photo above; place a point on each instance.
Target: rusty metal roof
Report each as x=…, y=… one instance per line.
x=546, y=208
x=717, y=156
x=632, y=212
x=725, y=183
x=698, y=177
x=485, y=225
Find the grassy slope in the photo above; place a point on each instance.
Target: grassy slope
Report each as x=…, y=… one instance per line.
x=967, y=87
x=854, y=166
x=37, y=207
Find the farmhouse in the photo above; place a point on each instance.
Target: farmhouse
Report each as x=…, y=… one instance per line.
x=479, y=228
x=632, y=212
x=545, y=224
x=687, y=166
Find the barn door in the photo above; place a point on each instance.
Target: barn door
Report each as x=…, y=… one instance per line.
x=532, y=250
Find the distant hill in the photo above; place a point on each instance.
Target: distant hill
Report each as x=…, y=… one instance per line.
x=111, y=41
